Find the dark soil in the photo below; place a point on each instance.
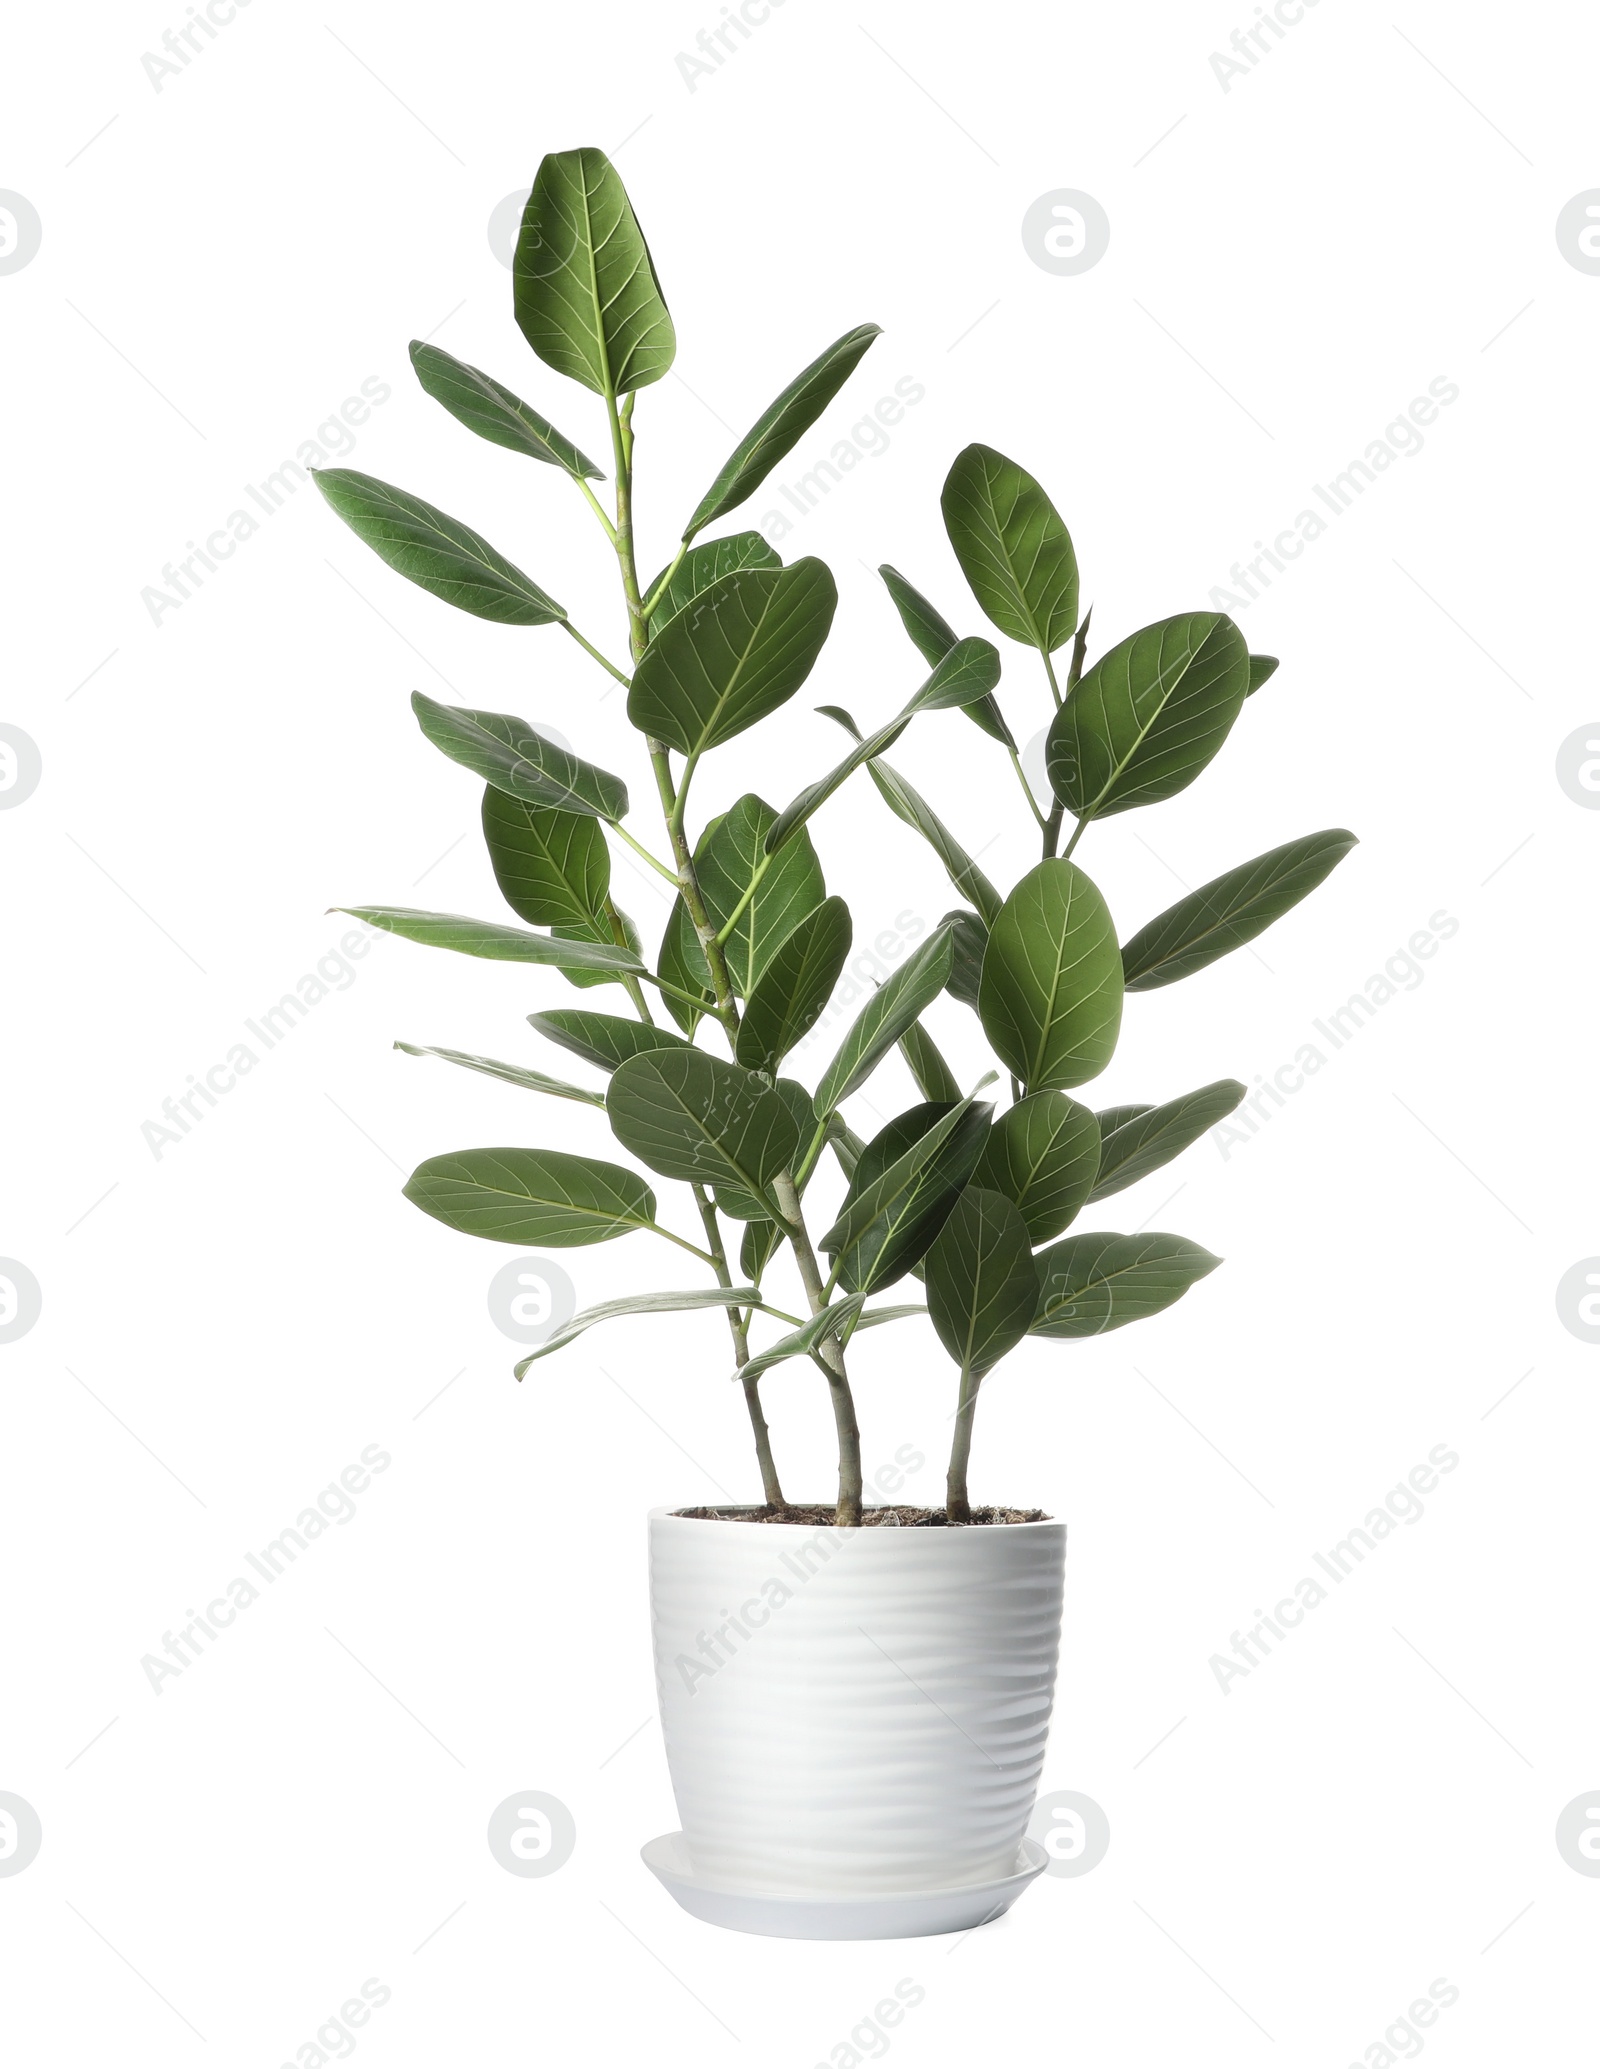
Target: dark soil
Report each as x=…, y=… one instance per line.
x=816, y=1512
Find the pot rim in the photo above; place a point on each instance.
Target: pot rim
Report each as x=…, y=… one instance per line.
x=725, y=1519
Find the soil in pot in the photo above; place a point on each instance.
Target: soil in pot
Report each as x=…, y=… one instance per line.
x=813, y=1513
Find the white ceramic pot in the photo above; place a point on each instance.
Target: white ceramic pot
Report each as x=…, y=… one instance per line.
x=853, y=1714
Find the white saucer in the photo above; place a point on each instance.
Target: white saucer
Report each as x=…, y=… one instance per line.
x=901, y=1915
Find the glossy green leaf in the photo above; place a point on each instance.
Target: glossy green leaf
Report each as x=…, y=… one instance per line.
x=679, y=963
x=1044, y=1155
x=907, y=1180
x=438, y=553
x=641, y=1304
x=1262, y=667
x=801, y=1342
x=1091, y=1283
x=507, y=752
x=1230, y=910
x=778, y=428
x=934, y=1077
x=794, y=986
x=933, y=638
x=729, y=853
x=553, y=868
x=537, y=1196
x=486, y=938
x=1148, y=716
x=1110, y=1117
x=740, y=651
x=908, y=805
x=603, y=1039
x=983, y=1285
x=510, y=1074
x=969, y=670
x=586, y=295
x=901, y=999
x=1051, y=995
x=700, y=567
x=689, y=1115
x=759, y=1241
x=1148, y=1140
x=477, y=400
x=969, y=944
x=1013, y=548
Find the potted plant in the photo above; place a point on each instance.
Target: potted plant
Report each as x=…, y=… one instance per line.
x=855, y=1696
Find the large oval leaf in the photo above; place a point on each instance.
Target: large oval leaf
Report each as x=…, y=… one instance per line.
x=906, y=1182
x=586, y=295
x=438, y=553
x=603, y=1039
x=1091, y=1283
x=780, y=425
x=794, y=987
x=729, y=853
x=477, y=400
x=507, y=752
x=983, y=1285
x=744, y=648
x=1148, y=1139
x=1051, y=993
x=691, y=1116
x=499, y=944
x=1044, y=1155
x=532, y=1196
x=553, y=868
x=1148, y=716
x=1230, y=910
x=1013, y=548
x=901, y=999
x=700, y=567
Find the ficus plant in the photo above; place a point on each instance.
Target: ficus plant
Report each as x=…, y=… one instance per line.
x=974, y=1202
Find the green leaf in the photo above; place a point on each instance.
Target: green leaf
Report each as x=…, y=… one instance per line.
x=701, y=566
x=983, y=1285
x=438, y=553
x=963, y=872
x=1013, y=548
x=477, y=400
x=1153, y=1138
x=847, y=1146
x=906, y=1182
x=603, y=1039
x=901, y=999
x=801, y=1342
x=969, y=944
x=486, y=938
x=1092, y=1283
x=1230, y=910
x=745, y=647
x=599, y=930
x=532, y=1196
x=780, y=426
x=1051, y=995
x=795, y=985
x=586, y=295
x=933, y=639
x=969, y=670
x=553, y=868
x=935, y=1079
x=756, y=1246
x=506, y=751
x=511, y=1074
x=728, y=854
x=1110, y=1117
x=680, y=963
x=1261, y=667
x=691, y=1116
x=1148, y=716
x=641, y=1304
x=1044, y=1155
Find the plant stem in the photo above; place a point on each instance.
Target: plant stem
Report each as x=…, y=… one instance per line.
x=1027, y=790
x=656, y=594
x=609, y=667
x=1077, y=835
x=848, y=1514
x=956, y=1507
x=1052, y=826
x=739, y=1328
x=644, y=853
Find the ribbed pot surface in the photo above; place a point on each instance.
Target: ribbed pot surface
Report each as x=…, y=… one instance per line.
x=854, y=1710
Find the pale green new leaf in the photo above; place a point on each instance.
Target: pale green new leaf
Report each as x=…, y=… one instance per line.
x=510, y=1074
x=499, y=944
x=641, y=1304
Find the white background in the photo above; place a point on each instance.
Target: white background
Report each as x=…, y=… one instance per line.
x=225, y=1327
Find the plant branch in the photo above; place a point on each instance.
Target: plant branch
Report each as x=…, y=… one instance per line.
x=648, y=608
x=956, y=1506
x=830, y=1354
x=643, y=853
x=739, y=1329
x=609, y=667
x=1052, y=826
